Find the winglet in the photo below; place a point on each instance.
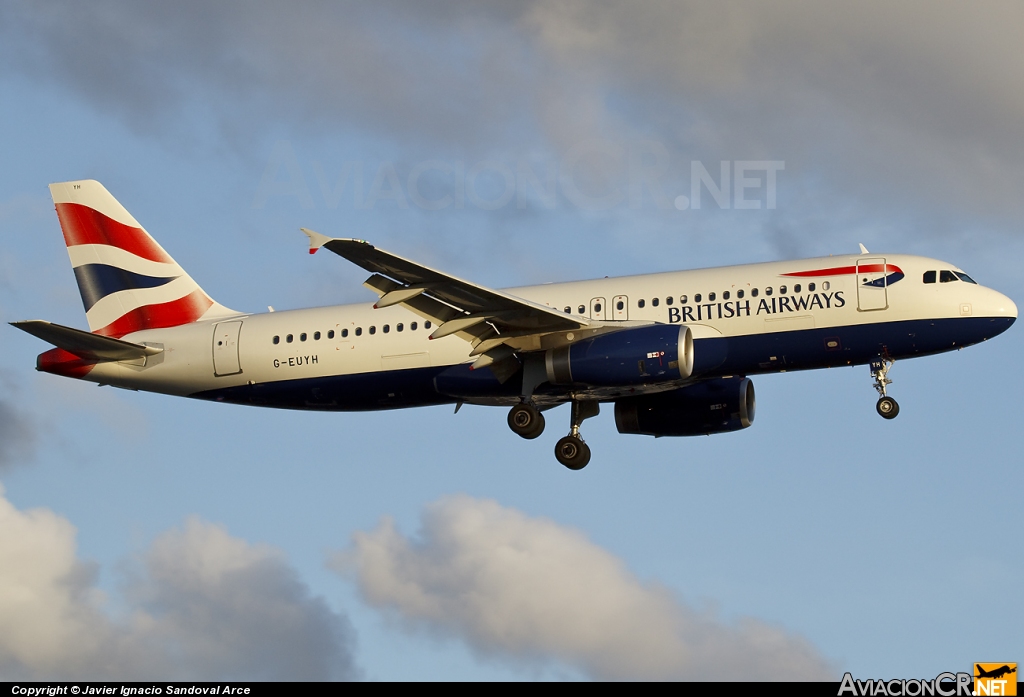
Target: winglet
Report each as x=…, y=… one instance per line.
x=863, y=249
x=316, y=240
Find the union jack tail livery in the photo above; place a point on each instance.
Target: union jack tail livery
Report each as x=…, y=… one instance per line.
x=127, y=281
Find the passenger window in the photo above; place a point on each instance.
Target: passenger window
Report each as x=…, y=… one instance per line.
x=373, y=329
x=288, y=338
x=753, y=292
x=947, y=276
x=426, y=325
x=412, y=327
x=581, y=309
x=316, y=336
x=782, y=289
x=302, y=336
x=810, y=287
x=725, y=295
x=682, y=299
x=825, y=285
x=568, y=310
x=768, y=290
x=697, y=298
x=929, y=277
x=330, y=334
x=965, y=278
x=359, y=331
x=387, y=328
x=640, y=302
x=739, y=293
x=620, y=305
x=711, y=297
x=400, y=326
x=668, y=300
x=796, y=288
x=277, y=340
x=654, y=302
x=597, y=307
x=344, y=333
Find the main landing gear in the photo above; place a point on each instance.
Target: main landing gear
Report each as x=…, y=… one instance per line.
x=571, y=451
x=887, y=407
x=526, y=421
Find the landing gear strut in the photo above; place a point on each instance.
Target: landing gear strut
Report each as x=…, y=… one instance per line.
x=886, y=407
x=571, y=451
x=526, y=421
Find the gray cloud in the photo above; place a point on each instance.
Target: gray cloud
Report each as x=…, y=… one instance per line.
x=906, y=113
x=528, y=588
x=204, y=605
x=17, y=435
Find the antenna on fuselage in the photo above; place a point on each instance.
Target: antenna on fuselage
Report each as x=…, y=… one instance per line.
x=863, y=249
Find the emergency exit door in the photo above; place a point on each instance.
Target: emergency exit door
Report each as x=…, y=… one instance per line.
x=620, y=307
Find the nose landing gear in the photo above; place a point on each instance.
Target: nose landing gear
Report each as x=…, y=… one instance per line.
x=887, y=407
x=571, y=451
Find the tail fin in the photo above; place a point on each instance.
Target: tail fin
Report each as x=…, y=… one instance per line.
x=127, y=281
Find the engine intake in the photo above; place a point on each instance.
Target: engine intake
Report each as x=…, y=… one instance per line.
x=714, y=406
x=638, y=356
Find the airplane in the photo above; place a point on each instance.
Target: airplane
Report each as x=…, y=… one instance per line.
x=672, y=351
x=995, y=673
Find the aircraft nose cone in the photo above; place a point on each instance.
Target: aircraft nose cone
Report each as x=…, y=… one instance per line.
x=994, y=304
x=1009, y=308
x=1001, y=311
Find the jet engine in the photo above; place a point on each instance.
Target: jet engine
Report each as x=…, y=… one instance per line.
x=637, y=356
x=715, y=406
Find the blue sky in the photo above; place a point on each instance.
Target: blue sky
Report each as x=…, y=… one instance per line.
x=850, y=542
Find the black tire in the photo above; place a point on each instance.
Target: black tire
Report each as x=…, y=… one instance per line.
x=572, y=452
x=887, y=408
x=525, y=421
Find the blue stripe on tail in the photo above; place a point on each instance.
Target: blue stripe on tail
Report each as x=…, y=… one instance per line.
x=97, y=281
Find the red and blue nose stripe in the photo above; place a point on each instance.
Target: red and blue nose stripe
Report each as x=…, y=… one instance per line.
x=892, y=273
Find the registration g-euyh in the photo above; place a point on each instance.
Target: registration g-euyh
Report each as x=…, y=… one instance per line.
x=673, y=352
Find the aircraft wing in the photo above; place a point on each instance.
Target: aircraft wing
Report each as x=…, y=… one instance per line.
x=496, y=323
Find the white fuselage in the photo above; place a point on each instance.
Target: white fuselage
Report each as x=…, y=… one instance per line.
x=754, y=302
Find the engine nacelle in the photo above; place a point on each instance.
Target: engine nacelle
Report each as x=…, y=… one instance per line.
x=715, y=406
x=637, y=356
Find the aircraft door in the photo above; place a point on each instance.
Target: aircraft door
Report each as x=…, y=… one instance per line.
x=620, y=307
x=598, y=309
x=872, y=293
x=225, y=349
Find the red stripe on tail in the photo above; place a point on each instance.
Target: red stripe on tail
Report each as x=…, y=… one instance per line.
x=172, y=314
x=61, y=362
x=84, y=225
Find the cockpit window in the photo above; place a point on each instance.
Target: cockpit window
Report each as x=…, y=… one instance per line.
x=947, y=276
x=965, y=278
x=929, y=277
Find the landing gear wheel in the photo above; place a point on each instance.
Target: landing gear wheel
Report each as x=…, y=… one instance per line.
x=526, y=421
x=572, y=452
x=887, y=408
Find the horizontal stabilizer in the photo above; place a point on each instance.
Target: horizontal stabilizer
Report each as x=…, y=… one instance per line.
x=84, y=344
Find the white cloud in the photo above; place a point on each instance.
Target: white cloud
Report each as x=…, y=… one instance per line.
x=204, y=605
x=528, y=588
